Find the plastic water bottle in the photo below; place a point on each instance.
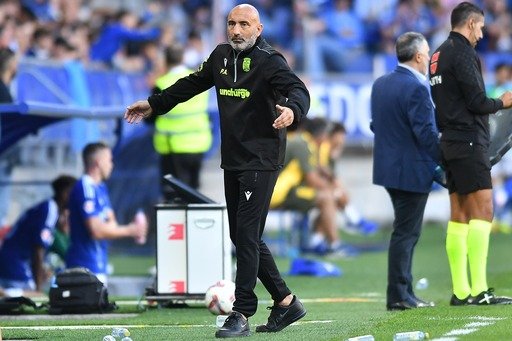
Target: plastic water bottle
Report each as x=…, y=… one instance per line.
x=220, y=320
x=411, y=336
x=109, y=338
x=140, y=219
x=120, y=332
x=422, y=284
x=362, y=338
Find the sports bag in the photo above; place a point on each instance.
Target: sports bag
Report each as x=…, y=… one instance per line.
x=79, y=291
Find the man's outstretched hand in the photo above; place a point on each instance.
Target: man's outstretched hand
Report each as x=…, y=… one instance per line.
x=137, y=112
x=285, y=117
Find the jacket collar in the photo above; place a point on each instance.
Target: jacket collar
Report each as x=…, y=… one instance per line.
x=460, y=37
x=415, y=73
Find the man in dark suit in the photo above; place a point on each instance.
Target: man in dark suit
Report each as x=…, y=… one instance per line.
x=406, y=151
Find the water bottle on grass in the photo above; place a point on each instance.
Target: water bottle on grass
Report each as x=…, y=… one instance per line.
x=120, y=332
x=362, y=338
x=411, y=336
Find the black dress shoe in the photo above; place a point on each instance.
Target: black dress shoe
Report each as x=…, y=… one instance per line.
x=403, y=305
x=235, y=326
x=423, y=304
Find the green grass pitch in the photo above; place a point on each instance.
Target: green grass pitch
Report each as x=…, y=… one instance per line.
x=338, y=307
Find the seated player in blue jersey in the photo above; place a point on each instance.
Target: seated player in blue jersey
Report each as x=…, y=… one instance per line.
x=23, y=250
x=91, y=217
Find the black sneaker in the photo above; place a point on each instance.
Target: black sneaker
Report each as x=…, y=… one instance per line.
x=488, y=297
x=281, y=317
x=234, y=326
x=455, y=301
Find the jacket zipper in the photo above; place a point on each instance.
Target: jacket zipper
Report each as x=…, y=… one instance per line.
x=236, y=58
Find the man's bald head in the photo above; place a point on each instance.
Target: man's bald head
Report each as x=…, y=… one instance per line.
x=244, y=27
x=247, y=10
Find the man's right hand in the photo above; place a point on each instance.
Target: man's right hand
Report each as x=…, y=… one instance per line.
x=506, y=98
x=137, y=112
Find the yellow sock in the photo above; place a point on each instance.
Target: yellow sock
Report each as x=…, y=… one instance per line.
x=478, y=247
x=457, y=251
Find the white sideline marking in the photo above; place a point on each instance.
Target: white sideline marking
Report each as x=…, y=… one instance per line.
x=464, y=331
x=137, y=326
x=65, y=317
x=468, y=328
x=363, y=298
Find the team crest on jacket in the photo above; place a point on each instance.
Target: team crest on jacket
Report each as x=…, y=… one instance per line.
x=246, y=64
x=433, y=62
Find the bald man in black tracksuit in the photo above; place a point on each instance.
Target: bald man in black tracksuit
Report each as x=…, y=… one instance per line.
x=257, y=95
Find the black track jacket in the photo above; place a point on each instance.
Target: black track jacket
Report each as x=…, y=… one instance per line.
x=458, y=91
x=248, y=86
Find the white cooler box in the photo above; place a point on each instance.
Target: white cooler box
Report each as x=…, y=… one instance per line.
x=193, y=249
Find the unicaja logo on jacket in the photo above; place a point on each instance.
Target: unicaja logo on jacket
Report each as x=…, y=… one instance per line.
x=242, y=93
x=246, y=64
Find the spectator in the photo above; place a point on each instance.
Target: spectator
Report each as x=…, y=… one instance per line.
x=8, y=68
x=114, y=35
x=336, y=38
x=498, y=26
x=183, y=135
x=23, y=251
x=42, y=44
x=408, y=15
x=92, y=220
x=194, y=50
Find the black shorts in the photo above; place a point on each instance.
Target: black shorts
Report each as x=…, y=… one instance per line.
x=467, y=166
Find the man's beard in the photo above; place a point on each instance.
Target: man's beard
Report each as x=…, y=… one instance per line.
x=244, y=45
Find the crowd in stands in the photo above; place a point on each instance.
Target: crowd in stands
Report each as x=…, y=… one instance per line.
x=316, y=35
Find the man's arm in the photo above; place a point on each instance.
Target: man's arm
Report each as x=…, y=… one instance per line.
x=37, y=267
x=184, y=89
x=110, y=229
x=420, y=111
x=181, y=91
x=286, y=82
x=470, y=80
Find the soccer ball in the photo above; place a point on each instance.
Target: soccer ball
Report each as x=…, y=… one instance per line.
x=219, y=297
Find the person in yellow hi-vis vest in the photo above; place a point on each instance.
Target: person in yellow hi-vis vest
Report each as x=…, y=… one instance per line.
x=183, y=135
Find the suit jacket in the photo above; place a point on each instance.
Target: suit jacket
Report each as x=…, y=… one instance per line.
x=406, y=144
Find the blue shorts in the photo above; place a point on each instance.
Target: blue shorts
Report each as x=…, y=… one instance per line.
x=24, y=285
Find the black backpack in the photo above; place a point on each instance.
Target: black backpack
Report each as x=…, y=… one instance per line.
x=79, y=291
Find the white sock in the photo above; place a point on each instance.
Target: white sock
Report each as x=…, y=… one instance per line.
x=352, y=215
x=316, y=239
x=335, y=245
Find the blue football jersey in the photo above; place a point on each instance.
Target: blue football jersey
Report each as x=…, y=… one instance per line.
x=33, y=229
x=87, y=200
